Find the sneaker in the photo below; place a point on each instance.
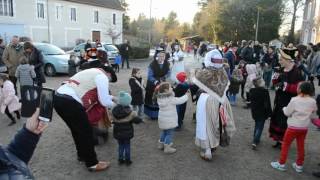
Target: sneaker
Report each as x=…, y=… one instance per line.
x=299, y=169
x=12, y=123
x=254, y=147
x=128, y=162
x=160, y=145
x=278, y=166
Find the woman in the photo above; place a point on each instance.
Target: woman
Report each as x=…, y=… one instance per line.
x=86, y=94
x=35, y=58
x=158, y=71
x=177, y=63
x=269, y=61
x=287, y=83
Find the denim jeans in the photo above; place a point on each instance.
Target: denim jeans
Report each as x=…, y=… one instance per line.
x=124, y=149
x=181, y=110
x=258, y=128
x=233, y=98
x=267, y=78
x=138, y=109
x=166, y=136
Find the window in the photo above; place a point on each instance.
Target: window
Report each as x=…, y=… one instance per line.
x=6, y=8
x=114, y=19
x=73, y=14
x=96, y=17
x=59, y=12
x=40, y=10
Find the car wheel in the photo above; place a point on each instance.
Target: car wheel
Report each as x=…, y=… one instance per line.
x=50, y=70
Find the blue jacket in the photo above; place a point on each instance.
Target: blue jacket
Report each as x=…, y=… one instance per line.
x=231, y=59
x=15, y=157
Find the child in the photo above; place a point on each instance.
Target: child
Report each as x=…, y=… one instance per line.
x=117, y=63
x=136, y=86
x=25, y=73
x=252, y=74
x=260, y=108
x=168, y=118
x=180, y=90
x=72, y=70
x=123, y=128
x=235, y=81
x=9, y=102
x=298, y=111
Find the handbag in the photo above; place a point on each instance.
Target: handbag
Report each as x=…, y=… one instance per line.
x=30, y=99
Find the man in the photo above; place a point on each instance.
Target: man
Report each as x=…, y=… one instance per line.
x=125, y=50
x=35, y=58
x=256, y=51
x=11, y=56
x=247, y=52
x=14, y=158
x=230, y=55
x=86, y=94
x=88, y=45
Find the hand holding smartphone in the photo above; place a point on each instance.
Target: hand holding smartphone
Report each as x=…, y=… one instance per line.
x=46, y=104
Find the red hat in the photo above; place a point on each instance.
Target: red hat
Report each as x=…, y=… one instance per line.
x=181, y=77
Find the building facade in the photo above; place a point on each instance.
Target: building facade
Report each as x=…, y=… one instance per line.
x=310, y=31
x=62, y=22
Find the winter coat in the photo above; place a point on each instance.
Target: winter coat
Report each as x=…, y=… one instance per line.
x=269, y=61
x=260, y=103
x=1, y=53
x=230, y=56
x=235, y=81
x=181, y=89
x=136, y=86
x=11, y=57
x=8, y=98
x=168, y=117
x=25, y=74
x=125, y=50
x=123, y=117
x=14, y=158
x=36, y=59
x=315, y=64
x=247, y=54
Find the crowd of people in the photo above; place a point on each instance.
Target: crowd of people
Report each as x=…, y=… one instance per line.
x=250, y=67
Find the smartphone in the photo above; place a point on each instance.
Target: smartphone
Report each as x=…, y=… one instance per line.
x=30, y=99
x=46, y=104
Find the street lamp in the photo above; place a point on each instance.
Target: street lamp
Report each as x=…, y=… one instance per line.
x=257, y=25
x=149, y=37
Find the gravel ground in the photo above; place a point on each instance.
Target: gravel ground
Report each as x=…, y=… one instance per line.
x=55, y=156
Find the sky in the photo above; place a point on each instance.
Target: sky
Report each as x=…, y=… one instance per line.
x=185, y=9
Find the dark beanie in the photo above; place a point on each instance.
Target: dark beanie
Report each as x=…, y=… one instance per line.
x=110, y=70
x=27, y=45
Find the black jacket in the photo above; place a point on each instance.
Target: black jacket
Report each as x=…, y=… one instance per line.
x=123, y=119
x=260, y=103
x=136, y=90
x=247, y=54
x=125, y=50
x=36, y=59
x=181, y=89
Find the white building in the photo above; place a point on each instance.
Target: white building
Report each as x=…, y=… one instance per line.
x=310, y=31
x=61, y=22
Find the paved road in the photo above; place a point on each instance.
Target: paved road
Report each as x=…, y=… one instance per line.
x=55, y=156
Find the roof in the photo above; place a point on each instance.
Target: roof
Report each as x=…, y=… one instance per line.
x=111, y=4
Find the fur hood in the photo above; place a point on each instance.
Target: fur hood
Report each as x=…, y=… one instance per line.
x=165, y=95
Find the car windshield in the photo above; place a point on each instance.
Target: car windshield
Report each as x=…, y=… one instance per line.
x=49, y=49
x=110, y=47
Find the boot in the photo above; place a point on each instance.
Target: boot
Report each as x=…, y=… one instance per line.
x=168, y=149
x=13, y=121
x=160, y=145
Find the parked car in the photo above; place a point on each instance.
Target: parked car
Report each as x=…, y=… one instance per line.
x=55, y=59
x=111, y=50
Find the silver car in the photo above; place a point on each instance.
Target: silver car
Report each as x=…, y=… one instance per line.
x=55, y=59
x=111, y=50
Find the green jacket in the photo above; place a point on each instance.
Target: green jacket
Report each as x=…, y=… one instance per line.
x=11, y=57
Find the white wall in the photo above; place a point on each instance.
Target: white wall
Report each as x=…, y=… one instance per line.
x=63, y=32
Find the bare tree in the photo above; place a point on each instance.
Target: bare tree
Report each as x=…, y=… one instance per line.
x=113, y=33
x=297, y=4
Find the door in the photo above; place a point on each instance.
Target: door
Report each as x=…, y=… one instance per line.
x=95, y=35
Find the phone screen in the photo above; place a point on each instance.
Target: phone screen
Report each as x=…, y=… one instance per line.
x=30, y=99
x=46, y=104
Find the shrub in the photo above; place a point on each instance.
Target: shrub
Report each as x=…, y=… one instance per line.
x=139, y=52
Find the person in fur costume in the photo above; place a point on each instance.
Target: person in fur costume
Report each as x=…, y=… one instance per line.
x=215, y=124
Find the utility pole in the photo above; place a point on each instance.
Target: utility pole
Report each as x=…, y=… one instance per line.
x=150, y=28
x=48, y=20
x=257, y=25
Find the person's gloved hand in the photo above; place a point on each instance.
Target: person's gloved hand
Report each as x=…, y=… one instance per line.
x=34, y=125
